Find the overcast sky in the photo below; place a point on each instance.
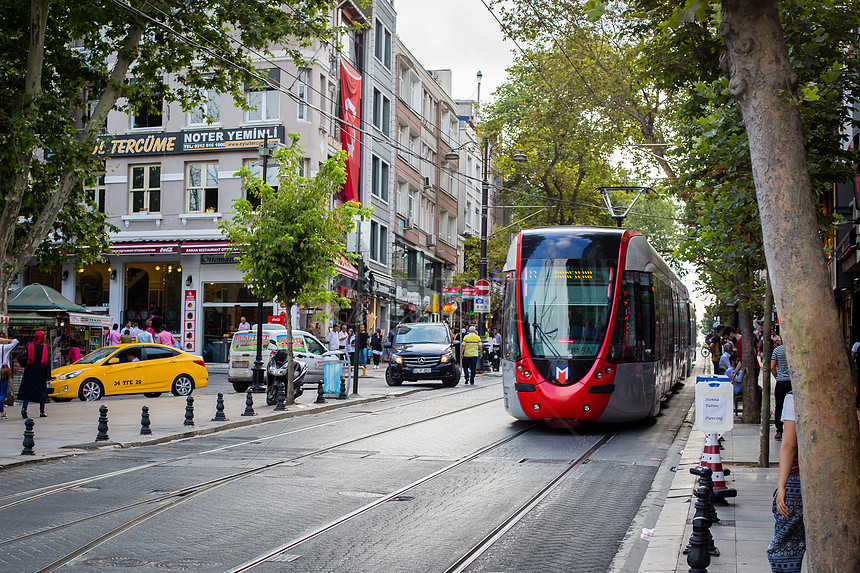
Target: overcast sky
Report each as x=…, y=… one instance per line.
x=460, y=35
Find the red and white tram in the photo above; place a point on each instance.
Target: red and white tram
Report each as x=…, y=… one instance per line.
x=597, y=327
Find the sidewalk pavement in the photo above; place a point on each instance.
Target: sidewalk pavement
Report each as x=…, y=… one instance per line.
x=71, y=427
x=746, y=526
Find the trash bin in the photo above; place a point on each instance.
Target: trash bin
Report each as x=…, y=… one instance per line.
x=332, y=372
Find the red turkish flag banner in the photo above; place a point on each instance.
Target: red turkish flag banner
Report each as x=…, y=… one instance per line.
x=350, y=137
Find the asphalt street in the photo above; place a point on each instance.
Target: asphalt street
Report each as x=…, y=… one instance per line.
x=438, y=480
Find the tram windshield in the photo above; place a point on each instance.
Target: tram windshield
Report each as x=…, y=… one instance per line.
x=566, y=306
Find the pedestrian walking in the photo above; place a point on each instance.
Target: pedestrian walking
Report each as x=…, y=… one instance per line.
x=779, y=368
x=786, y=550
x=37, y=372
x=113, y=336
x=332, y=339
x=73, y=354
x=363, y=342
x=471, y=354
x=350, y=346
x=376, y=347
x=7, y=369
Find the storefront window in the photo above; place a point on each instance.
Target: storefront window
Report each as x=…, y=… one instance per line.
x=49, y=278
x=153, y=292
x=92, y=285
x=224, y=305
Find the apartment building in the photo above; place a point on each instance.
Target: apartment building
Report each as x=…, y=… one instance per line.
x=426, y=233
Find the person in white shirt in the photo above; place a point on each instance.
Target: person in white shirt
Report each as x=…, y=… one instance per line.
x=134, y=330
x=332, y=339
x=144, y=336
x=244, y=325
x=7, y=345
x=342, y=336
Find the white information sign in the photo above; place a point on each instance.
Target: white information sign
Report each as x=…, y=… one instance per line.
x=714, y=406
x=482, y=304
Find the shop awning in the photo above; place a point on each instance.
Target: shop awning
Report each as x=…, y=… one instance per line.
x=36, y=297
x=206, y=247
x=99, y=320
x=31, y=319
x=345, y=268
x=145, y=248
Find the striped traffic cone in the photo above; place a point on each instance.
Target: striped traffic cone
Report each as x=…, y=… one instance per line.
x=711, y=459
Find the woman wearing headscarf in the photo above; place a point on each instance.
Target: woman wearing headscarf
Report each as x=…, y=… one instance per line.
x=376, y=347
x=37, y=372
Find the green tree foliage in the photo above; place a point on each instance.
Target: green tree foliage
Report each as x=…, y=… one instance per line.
x=286, y=246
x=66, y=64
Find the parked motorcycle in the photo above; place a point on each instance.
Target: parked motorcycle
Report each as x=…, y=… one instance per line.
x=276, y=372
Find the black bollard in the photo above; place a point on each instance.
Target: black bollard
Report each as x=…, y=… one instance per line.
x=102, y=436
x=698, y=557
x=320, y=398
x=342, y=395
x=145, y=430
x=282, y=398
x=706, y=482
x=219, y=409
x=29, y=440
x=189, y=411
x=249, y=405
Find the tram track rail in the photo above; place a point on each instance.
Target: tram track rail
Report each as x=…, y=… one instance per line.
x=40, y=492
x=477, y=550
x=170, y=500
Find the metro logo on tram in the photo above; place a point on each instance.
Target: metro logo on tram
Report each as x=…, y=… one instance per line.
x=561, y=374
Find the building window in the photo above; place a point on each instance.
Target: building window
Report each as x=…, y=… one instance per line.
x=302, y=92
x=95, y=188
x=146, y=188
x=382, y=43
x=149, y=114
x=402, y=194
x=202, y=187
x=271, y=179
x=209, y=110
x=412, y=201
x=379, y=178
x=379, y=242
x=264, y=105
x=381, y=112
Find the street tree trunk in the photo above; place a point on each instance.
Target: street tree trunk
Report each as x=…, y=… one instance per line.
x=749, y=382
x=763, y=83
x=289, y=391
x=767, y=350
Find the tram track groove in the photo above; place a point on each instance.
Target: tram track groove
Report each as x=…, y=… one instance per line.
x=44, y=491
x=500, y=530
x=176, y=497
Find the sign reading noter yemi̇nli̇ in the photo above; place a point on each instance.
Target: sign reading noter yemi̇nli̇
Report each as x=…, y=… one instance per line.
x=191, y=141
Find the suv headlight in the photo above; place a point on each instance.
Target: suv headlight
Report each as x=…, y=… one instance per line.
x=446, y=358
x=397, y=358
x=71, y=374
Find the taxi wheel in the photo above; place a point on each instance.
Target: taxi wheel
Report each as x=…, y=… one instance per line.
x=91, y=390
x=183, y=385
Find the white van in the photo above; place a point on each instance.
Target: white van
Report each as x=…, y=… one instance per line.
x=243, y=353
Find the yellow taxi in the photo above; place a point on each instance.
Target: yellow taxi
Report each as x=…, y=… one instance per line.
x=135, y=368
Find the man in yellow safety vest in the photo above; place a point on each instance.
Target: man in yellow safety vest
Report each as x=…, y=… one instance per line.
x=471, y=353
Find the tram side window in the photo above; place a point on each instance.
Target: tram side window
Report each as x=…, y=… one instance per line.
x=633, y=335
x=510, y=342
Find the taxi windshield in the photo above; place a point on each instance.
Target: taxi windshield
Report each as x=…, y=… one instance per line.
x=97, y=355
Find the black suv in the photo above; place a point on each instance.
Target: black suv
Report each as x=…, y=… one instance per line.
x=422, y=351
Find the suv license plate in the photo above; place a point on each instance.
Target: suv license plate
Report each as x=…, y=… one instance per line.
x=240, y=364
x=421, y=370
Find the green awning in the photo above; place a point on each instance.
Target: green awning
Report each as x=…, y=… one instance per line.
x=39, y=298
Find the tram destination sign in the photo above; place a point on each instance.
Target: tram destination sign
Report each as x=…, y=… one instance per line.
x=190, y=141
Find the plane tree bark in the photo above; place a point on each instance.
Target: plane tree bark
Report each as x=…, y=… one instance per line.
x=762, y=81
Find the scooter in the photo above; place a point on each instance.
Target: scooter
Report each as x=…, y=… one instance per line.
x=276, y=373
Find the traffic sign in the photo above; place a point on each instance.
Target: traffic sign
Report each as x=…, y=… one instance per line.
x=482, y=287
x=468, y=292
x=450, y=291
x=482, y=304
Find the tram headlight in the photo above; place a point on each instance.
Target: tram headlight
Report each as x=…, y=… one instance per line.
x=598, y=375
x=527, y=374
x=586, y=408
x=536, y=406
x=608, y=370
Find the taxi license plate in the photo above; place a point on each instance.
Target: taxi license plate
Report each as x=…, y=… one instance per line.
x=421, y=370
x=240, y=364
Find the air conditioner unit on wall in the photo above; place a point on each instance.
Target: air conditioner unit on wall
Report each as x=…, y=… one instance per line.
x=409, y=223
x=431, y=240
x=427, y=182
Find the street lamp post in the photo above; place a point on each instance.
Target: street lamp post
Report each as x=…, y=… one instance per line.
x=257, y=369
